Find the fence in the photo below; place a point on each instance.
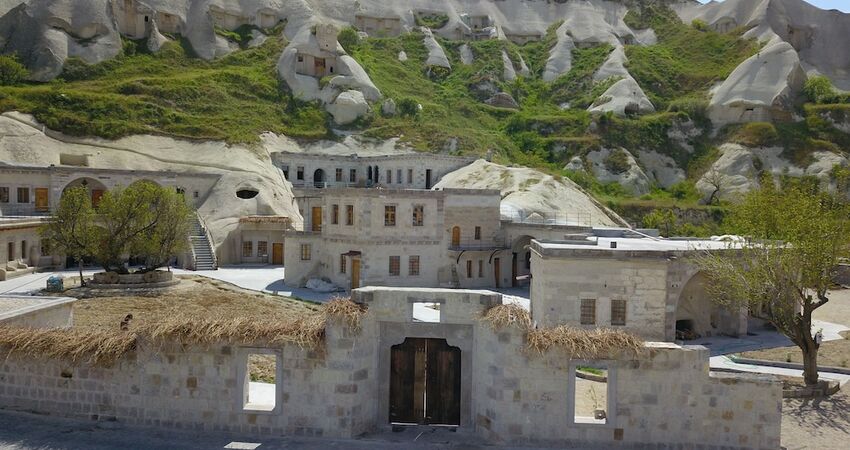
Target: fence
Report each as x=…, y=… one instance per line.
x=24, y=210
x=579, y=218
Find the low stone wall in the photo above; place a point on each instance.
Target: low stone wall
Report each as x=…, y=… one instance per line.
x=664, y=396
x=36, y=312
x=112, y=280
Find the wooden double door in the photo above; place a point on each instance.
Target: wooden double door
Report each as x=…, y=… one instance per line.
x=425, y=382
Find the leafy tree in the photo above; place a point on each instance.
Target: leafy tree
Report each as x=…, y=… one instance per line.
x=144, y=219
x=71, y=231
x=11, y=71
x=782, y=273
x=348, y=38
x=662, y=219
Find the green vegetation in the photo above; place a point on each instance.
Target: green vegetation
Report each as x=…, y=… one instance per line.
x=11, y=71
x=820, y=90
x=432, y=21
x=756, y=134
x=234, y=98
x=686, y=61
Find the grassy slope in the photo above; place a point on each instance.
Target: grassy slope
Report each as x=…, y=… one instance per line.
x=234, y=98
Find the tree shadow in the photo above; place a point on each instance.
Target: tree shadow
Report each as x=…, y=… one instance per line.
x=831, y=413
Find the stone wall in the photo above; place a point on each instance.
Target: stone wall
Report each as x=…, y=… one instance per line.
x=664, y=396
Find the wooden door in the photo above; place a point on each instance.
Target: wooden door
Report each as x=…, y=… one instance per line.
x=317, y=218
x=497, y=269
x=403, y=373
x=443, y=383
x=355, y=273
x=425, y=382
x=96, y=195
x=41, y=201
x=277, y=253
x=456, y=237
x=319, y=67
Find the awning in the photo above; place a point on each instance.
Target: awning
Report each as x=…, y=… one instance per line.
x=352, y=253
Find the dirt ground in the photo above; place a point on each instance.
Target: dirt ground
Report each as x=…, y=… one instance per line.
x=197, y=296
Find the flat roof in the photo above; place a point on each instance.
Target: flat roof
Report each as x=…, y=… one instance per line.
x=19, y=305
x=627, y=246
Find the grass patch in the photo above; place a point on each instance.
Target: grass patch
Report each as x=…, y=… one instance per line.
x=756, y=134
x=234, y=98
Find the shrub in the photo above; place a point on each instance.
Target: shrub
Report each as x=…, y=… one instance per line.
x=700, y=25
x=407, y=107
x=617, y=162
x=684, y=190
x=348, y=38
x=819, y=90
x=757, y=134
x=11, y=71
x=695, y=108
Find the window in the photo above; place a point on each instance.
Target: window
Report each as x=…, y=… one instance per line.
x=395, y=266
x=338, y=175
x=409, y=176
x=426, y=312
x=618, y=312
x=477, y=233
x=196, y=194
x=389, y=176
x=389, y=216
x=349, y=214
x=262, y=248
x=342, y=264
x=300, y=58
x=588, y=311
x=398, y=178
x=260, y=382
x=418, y=215
x=247, y=249
x=286, y=172
x=335, y=214
x=352, y=176
x=306, y=252
x=589, y=384
x=4, y=194
x=413, y=266
x=469, y=269
x=23, y=195
x=23, y=249
x=299, y=174
x=480, y=268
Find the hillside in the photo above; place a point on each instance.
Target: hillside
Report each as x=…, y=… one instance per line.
x=648, y=104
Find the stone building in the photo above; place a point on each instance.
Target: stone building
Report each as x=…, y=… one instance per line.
x=377, y=25
x=642, y=285
x=426, y=238
x=394, y=370
x=21, y=247
x=398, y=171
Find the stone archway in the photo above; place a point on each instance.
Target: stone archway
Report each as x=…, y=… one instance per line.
x=697, y=315
x=319, y=178
x=521, y=259
x=95, y=188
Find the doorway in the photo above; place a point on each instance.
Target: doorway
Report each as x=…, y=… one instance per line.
x=355, y=273
x=41, y=202
x=317, y=219
x=319, y=178
x=513, y=270
x=427, y=178
x=497, y=271
x=425, y=382
x=96, y=195
x=277, y=253
x=455, y=237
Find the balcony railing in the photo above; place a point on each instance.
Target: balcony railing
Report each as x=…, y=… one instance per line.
x=477, y=245
x=24, y=210
x=579, y=218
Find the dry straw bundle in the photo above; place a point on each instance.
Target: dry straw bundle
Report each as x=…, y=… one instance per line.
x=576, y=342
x=106, y=347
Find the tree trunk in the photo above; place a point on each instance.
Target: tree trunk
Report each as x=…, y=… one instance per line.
x=810, y=365
x=80, y=266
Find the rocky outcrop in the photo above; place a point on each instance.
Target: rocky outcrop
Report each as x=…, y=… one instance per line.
x=466, y=56
x=739, y=168
x=436, y=55
x=528, y=191
x=619, y=166
x=661, y=168
x=818, y=36
x=762, y=89
x=502, y=100
x=348, y=107
x=44, y=34
x=508, y=73
x=623, y=98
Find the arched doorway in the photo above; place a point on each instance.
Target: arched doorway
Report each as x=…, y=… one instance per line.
x=456, y=236
x=697, y=315
x=95, y=188
x=521, y=260
x=319, y=178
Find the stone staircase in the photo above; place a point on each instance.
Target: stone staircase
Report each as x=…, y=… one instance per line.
x=201, y=246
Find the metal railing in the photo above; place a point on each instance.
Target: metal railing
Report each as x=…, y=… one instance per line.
x=573, y=218
x=24, y=210
x=466, y=245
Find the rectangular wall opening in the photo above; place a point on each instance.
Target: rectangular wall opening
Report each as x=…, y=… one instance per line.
x=425, y=383
x=590, y=384
x=426, y=312
x=261, y=383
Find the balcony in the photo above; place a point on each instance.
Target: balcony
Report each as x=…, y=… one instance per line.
x=477, y=245
x=24, y=210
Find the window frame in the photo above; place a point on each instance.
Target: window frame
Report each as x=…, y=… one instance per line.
x=469, y=269
x=389, y=176
x=26, y=190
x=621, y=306
x=413, y=266
x=306, y=252
x=349, y=215
x=338, y=175
x=249, y=247
x=477, y=233
x=7, y=197
x=390, y=215
x=299, y=173
x=394, y=269
x=421, y=219
x=262, y=249
x=335, y=214
x=410, y=176
x=352, y=175
x=586, y=303
x=343, y=265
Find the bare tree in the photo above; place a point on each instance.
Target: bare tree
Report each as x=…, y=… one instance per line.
x=716, y=180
